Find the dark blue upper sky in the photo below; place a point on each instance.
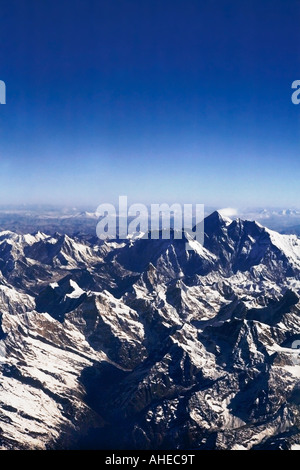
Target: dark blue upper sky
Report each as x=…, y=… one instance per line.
x=160, y=100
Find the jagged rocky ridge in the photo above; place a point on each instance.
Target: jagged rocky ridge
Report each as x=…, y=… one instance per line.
x=145, y=345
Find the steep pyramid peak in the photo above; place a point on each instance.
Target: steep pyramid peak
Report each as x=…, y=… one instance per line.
x=216, y=219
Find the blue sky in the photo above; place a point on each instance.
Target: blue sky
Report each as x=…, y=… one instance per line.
x=160, y=100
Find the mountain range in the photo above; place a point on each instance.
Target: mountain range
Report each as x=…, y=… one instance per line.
x=142, y=344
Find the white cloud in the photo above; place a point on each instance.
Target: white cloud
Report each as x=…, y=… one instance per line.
x=228, y=212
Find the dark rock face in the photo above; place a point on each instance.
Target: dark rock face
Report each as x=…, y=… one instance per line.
x=146, y=345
